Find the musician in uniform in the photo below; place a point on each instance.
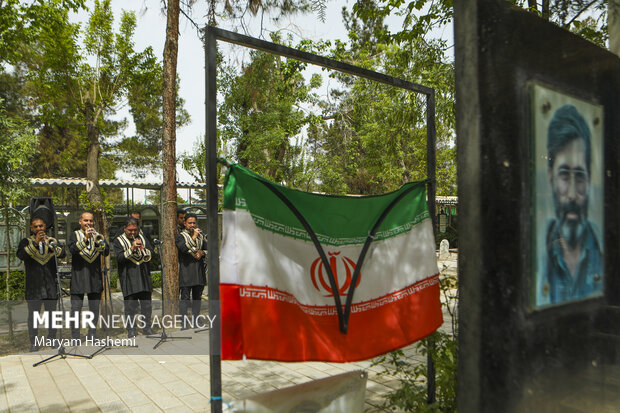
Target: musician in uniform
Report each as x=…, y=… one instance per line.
x=192, y=248
x=37, y=252
x=180, y=220
x=143, y=231
x=86, y=248
x=133, y=252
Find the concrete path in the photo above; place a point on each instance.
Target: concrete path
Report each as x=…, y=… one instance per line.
x=126, y=379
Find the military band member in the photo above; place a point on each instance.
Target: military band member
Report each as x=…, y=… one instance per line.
x=133, y=252
x=192, y=247
x=143, y=231
x=180, y=220
x=37, y=252
x=86, y=248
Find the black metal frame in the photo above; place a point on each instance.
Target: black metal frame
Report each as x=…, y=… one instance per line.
x=212, y=35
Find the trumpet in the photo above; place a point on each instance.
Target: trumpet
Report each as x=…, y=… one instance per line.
x=200, y=236
x=145, y=254
x=199, y=241
x=51, y=242
x=99, y=239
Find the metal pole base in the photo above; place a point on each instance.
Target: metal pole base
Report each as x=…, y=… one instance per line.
x=163, y=337
x=62, y=354
x=101, y=349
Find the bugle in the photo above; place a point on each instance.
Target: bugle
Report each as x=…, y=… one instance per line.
x=200, y=236
x=145, y=254
x=99, y=239
x=50, y=242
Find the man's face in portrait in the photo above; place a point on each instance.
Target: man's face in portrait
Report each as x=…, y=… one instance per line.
x=570, y=184
x=181, y=218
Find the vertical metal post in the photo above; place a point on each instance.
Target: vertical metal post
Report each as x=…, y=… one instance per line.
x=432, y=186
x=213, y=246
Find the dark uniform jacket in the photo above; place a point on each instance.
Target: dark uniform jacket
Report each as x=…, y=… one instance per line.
x=133, y=269
x=40, y=269
x=86, y=263
x=191, y=270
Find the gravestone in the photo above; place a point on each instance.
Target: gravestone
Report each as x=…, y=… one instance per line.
x=523, y=344
x=444, y=249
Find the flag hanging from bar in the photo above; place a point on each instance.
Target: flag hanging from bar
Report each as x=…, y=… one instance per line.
x=277, y=299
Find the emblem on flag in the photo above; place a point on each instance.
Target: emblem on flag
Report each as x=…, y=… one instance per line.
x=319, y=276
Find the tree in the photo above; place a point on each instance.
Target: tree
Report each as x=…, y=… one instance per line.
x=587, y=18
x=234, y=10
x=70, y=91
x=263, y=113
x=169, y=187
x=377, y=139
x=16, y=143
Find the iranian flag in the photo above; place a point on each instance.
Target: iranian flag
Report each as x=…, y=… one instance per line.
x=279, y=301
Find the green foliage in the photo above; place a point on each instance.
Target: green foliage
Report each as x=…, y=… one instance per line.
x=67, y=83
x=17, y=286
x=377, y=139
x=16, y=150
x=587, y=18
x=194, y=161
x=156, y=276
x=114, y=281
x=261, y=116
x=411, y=396
x=107, y=206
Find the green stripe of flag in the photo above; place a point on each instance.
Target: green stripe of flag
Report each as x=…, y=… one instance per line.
x=337, y=220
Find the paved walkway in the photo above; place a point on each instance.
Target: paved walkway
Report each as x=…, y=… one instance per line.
x=147, y=380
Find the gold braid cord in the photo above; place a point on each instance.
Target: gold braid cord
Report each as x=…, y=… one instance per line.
x=136, y=257
x=88, y=250
x=32, y=249
x=193, y=245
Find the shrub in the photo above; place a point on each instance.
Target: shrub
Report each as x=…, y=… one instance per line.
x=411, y=396
x=17, y=285
x=156, y=275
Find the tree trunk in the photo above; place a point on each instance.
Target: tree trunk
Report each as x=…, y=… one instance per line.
x=170, y=264
x=545, y=12
x=95, y=198
x=92, y=170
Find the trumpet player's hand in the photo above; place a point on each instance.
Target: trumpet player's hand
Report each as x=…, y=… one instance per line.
x=196, y=233
x=136, y=245
x=39, y=237
x=89, y=232
x=198, y=255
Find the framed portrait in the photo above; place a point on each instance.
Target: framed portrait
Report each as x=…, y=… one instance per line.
x=567, y=219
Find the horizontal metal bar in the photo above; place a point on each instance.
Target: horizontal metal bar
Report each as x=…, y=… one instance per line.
x=285, y=51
